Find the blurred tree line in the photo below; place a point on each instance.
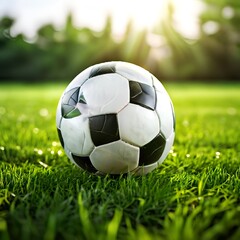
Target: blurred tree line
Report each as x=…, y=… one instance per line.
x=62, y=54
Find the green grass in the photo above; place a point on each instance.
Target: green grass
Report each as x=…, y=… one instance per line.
x=194, y=194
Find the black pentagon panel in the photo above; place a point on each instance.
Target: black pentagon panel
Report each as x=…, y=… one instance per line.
x=105, y=69
x=84, y=163
x=69, y=102
x=152, y=151
x=104, y=129
x=142, y=94
x=60, y=137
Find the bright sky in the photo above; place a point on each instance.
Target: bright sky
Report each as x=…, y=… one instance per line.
x=31, y=14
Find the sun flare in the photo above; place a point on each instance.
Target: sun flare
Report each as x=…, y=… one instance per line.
x=143, y=14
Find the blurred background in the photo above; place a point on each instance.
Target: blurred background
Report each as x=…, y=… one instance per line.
x=49, y=40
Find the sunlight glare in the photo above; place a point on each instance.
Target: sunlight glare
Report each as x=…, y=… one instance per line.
x=144, y=14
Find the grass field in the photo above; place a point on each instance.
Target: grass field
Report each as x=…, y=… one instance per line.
x=194, y=194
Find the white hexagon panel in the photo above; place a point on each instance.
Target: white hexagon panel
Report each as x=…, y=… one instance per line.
x=138, y=125
x=77, y=132
x=109, y=99
x=115, y=158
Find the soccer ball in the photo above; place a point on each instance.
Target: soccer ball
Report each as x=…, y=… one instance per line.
x=116, y=118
